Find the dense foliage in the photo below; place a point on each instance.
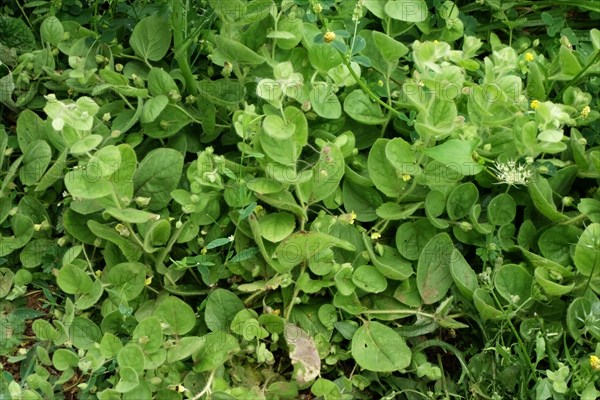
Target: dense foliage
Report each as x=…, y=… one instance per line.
x=299, y=199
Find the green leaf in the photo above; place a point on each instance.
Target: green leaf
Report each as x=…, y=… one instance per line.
x=326, y=175
x=324, y=101
x=513, y=283
x=130, y=250
x=235, y=52
x=457, y=155
x=158, y=234
x=485, y=305
x=63, y=359
x=580, y=311
x=552, y=282
x=177, y=314
x=104, y=162
x=184, y=348
x=433, y=269
x=130, y=215
x=30, y=127
x=90, y=298
x=587, y=252
x=411, y=238
x=36, y=159
x=401, y=155
x=161, y=83
x=302, y=246
x=502, y=209
x=16, y=34
x=390, y=49
x=44, y=330
x=151, y=38
x=72, y=279
x=6, y=281
x=171, y=120
x=131, y=355
x=110, y=345
x=153, y=107
x=217, y=348
x=277, y=226
x=463, y=275
x=291, y=29
x=394, y=212
x=127, y=279
x=128, y=380
x=86, y=144
x=221, y=308
x=382, y=171
x=369, y=279
x=407, y=10
x=558, y=243
x=461, y=199
x=217, y=243
x=323, y=57
x=541, y=194
x=359, y=106
x=52, y=31
x=85, y=184
x=158, y=175
x=378, y=348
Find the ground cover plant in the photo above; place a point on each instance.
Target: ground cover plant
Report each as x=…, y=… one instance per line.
x=299, y=199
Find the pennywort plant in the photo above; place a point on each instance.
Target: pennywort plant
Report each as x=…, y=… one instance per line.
x=278, y=200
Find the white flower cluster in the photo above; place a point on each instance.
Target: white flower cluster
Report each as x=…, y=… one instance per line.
x=512, y=173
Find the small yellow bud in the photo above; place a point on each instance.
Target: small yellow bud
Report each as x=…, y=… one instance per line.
x=122, y=229
x=148, y=281
x=585, y=112
x=317, y=8
x=595, y=362
x=203, y=251
x=535, y=104
x=329, y=37
x=375, y=235
x=98, y=273
x=529, y=57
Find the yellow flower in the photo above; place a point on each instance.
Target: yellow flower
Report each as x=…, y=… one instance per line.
x=98, y=273
x=352, y=217
x=203, y=251
x=595, y=362
x=375, y=235
x=535, y=104
x=406, y=177
x=586, y=111
x=529, y=57
x=329, y=37
x=148, y=281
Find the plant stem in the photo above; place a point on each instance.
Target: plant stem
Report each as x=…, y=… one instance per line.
x=181, y=46
x=367, y=90
x=288, y=310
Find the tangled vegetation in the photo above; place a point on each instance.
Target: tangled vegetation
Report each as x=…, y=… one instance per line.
x=299, y=199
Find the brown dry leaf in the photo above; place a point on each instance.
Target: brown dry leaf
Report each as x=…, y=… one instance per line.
x=303, y=353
